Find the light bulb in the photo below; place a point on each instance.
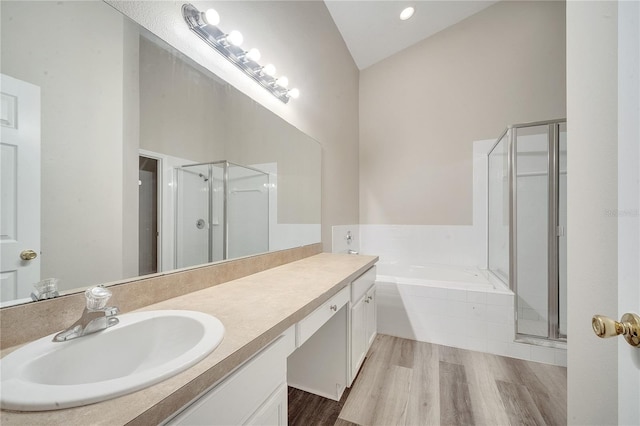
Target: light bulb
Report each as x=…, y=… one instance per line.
x=235, y=38
x=282, y=81
x=294, y=93
x=407, y=13
x=254, y=54
x=211, y=17
x=269, y=69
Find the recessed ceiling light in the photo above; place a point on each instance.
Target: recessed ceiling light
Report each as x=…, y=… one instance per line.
x=407, y=13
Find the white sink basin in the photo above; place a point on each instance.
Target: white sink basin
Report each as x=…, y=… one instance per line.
x=143, y=349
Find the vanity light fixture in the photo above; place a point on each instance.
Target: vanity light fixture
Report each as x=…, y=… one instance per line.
x=407, y=13
x=205, y=25
x=294, y=93
x=269, y=70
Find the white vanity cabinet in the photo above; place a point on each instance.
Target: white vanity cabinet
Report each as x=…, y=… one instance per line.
x=319, y=364
x=371, y=329
x=274, y=411
x=312, y=322
x=320, y=354
x=363, y=320
x=254, y=394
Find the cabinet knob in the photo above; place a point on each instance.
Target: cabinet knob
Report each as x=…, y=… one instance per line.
x=334, y=308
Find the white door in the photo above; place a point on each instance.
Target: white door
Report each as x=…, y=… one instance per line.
x=20, y=182
x=603, y=119
x=628, y=204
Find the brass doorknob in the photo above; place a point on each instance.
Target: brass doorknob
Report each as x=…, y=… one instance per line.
x=629, y=327
x=28, y=255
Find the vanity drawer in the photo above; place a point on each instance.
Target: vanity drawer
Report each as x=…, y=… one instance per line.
x=316, y=319
x=360, y=285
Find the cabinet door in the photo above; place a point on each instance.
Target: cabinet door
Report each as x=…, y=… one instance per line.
x=358, y=335
x=274, y=411
x=371, y=326
x=363, y=283
x=244, y=392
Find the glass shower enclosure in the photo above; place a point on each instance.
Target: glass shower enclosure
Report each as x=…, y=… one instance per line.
x=527, y=221
x=222, y=212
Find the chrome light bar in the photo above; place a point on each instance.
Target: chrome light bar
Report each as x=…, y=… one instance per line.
x=224, y=44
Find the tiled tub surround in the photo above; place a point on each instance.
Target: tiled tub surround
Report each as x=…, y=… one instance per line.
x=464, y=245
x=255, y=309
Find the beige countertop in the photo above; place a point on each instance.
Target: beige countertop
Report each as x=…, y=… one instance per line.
x=254, y=310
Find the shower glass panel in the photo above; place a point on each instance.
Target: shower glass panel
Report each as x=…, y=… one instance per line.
x=192, y=216
x=217, y=220
x=562, y=227
x=222, y=211
x=527, y=221
x=499, y=209
x=531, y=168
x=248, y=207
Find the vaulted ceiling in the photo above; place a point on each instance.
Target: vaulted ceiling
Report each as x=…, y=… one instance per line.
x=373, y=30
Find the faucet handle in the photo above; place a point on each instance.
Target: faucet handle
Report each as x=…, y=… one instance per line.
x=45, y=289
x=97, y=298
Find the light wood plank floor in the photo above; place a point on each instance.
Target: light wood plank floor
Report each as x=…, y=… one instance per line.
x=404, y=382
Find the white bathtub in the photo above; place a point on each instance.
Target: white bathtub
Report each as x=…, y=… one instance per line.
x=447, y=305
x=444, y=276
x=463, y=307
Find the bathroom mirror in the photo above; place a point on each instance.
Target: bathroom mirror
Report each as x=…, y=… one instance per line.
x=113, y=147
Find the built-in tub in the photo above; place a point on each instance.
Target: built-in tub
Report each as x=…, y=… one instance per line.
x=463, y=307
x=449, y=277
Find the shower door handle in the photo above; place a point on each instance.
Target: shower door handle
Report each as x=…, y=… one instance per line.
x=629, y=327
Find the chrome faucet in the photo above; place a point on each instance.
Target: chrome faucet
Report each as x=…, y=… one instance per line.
x=95, y=317
x=352, y=252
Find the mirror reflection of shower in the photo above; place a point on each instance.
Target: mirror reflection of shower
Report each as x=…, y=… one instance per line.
x=222, y=211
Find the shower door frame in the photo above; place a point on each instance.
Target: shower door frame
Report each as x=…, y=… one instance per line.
x=224, y=164
x=553, y=230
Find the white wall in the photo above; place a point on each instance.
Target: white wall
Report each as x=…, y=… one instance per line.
x=180, y=109
x=421, y=108
x=592, y=190
x=457, y=245
x=285, y=235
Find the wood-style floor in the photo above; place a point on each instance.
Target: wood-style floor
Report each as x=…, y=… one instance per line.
x=404, y=382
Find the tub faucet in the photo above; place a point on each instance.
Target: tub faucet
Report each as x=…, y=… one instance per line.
x=95, y=317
